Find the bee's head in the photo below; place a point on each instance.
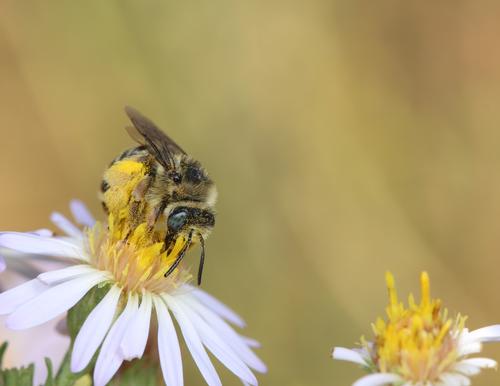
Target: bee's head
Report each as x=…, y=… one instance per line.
x=193, y=197
x=189, y=182
x=193, y=224
x=184, y=219
x=192, y=200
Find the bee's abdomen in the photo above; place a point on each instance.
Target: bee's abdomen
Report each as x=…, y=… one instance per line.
x=133, y=153
x=121, y=177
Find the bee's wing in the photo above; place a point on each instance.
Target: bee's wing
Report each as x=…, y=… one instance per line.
x=145, y=132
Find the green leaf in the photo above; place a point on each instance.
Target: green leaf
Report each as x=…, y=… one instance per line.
x=49, y=381
x=3, y=348
x=78, y=313
x=139, y=372
x=17, y=377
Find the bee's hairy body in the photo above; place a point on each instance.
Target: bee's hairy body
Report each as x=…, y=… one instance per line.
x=157, y=183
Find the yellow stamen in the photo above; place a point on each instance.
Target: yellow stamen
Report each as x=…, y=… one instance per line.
x=415, y=341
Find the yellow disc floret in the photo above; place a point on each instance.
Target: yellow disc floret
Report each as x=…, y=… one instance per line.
x=136, y=258
x=418, y=342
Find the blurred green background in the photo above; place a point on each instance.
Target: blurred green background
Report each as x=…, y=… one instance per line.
x=346, y=138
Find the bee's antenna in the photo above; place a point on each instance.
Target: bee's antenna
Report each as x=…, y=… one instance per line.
x=202, y=259
x=181, y=255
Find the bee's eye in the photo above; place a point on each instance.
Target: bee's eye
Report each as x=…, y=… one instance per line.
x=176, y=177
x=177, y=220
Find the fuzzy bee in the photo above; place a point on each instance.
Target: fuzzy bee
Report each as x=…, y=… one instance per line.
x=159, y=184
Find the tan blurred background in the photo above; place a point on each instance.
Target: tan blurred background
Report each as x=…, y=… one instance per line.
x=346, y=138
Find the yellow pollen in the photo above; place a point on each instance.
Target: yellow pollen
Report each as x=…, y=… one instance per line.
x=136, y=258
x=417, y=342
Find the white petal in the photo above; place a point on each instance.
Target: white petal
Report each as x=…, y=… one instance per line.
x=218, y=347
x=24, y=265
x=485, y=334
x=345, y=354
x=378, y=379
x=466, y=369
x=65, y=225
x=10, y=300
x=250, y=342
x=43, y=232
x=52, y=302
x=454, y=379
x=168, y=346
x=136, y=336
x=469, y=348
x=110, y=359
x=482, y=363
x=81, y=214
x=2, y=264
x=65, y=274
x=93, y=330
x=218, y=307
x=230, y=336
x=30, y=243
x=194, y=344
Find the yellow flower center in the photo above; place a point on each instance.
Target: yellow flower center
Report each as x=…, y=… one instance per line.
x=418, y=342
x=136, y=257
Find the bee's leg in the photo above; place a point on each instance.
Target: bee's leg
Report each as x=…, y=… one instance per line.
x=135, y=213
x=181, y=255
x=136, y=205
x=202, y=259
x=137, y=200
x=140, y=190
x=155, y=214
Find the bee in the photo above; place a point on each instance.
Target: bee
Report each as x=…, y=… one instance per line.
x=159, y=184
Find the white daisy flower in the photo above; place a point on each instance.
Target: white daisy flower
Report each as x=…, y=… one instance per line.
x=120, y=323
x=420, y=345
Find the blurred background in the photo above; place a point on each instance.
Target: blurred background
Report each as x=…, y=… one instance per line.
x=346, y=138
